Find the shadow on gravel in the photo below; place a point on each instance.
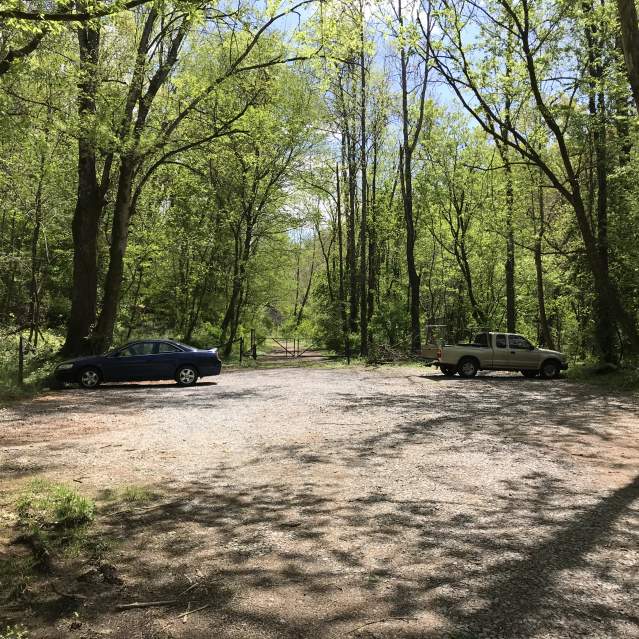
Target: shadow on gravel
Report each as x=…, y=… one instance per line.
x=519, y=413
x=528, y=554
x=536, y=559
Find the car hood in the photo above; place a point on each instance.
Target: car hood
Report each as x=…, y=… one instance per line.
x=547, y=351
x=87, y=359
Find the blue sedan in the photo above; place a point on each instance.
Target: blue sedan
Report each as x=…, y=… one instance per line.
x=142, y=361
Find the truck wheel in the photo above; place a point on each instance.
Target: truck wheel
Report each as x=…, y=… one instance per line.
x=550, y=369
x=467, y=367
x=530, y=373
x=449, y=371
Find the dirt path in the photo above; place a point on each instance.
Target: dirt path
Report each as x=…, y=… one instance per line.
x=327, y=503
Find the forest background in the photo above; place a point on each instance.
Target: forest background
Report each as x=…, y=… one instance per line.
x=349, y=172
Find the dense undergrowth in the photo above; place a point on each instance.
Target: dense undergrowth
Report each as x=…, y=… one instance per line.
x=39, y=362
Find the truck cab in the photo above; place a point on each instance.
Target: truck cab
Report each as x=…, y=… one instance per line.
x=500, y=352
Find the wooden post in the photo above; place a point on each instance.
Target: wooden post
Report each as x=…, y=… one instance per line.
x=21, y=361
x=253, y=344
x=241, y=348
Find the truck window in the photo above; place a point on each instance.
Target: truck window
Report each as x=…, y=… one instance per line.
x=481, y=339
x=519, y=342
x=500, y=341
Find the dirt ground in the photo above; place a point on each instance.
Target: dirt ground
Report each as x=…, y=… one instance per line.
x=335, y=502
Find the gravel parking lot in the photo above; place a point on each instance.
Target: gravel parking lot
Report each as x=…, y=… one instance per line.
x=347, y=502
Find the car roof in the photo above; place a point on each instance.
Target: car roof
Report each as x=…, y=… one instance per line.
x=151, y=341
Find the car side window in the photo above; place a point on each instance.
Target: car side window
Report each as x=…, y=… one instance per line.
x=500, y=341
x=163, y=347
x=143, y=348
x=519, y=342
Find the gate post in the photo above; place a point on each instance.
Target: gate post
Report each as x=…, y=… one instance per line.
x=21, y=361
x=241, y=348
x=253, y=344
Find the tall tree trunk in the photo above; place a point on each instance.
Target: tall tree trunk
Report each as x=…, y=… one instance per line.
x=372, y=238
x=231, y=317
x=137, y=108
x=547, y=339
x=342, y=292
x=34, y=298
x=363, y=253
x=89, y=203
x=406, y=169
x=351, y=250
x=605, y=324
x=606, y=291
x=504, y=151
x=307, y=291
x=103, y=334
x=627, y=11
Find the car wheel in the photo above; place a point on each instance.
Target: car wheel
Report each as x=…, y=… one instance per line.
x=530, y=373
x=550, y=369
x=89, y=377
x=449, y=371
x=186, y=376
x=467, y=367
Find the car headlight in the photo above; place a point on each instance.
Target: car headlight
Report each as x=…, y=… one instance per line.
x=64, y=367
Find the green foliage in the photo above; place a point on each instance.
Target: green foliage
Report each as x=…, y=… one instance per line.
x=39, y=362
x=48, y=506
x=235, y=214
x=623, y=379
x=14, y=632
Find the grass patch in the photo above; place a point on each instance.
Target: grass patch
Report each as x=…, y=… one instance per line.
x=53, y=521
x=55, y=528
x=46, y=505
x=130, y=494
x=624, y=379
x=14, y=632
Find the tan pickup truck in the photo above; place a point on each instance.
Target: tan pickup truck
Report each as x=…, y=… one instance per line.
x=500, y=352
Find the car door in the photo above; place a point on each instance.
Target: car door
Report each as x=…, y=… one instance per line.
x=521, y=353
x=501, y=356
x=130, y=363
x=165, y=360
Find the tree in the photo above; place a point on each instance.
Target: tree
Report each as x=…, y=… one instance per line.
x=533, y=33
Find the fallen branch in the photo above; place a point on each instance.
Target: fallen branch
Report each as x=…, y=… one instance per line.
x=138, y=511
x=372, y=623
x=146, y=604
x=195, y=585
x=184, y=615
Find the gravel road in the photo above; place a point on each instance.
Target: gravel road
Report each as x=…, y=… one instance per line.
x=350, y=502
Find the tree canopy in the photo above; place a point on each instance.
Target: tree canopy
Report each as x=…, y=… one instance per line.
x=355, y=172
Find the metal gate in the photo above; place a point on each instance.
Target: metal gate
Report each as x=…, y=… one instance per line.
x=278, y=348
